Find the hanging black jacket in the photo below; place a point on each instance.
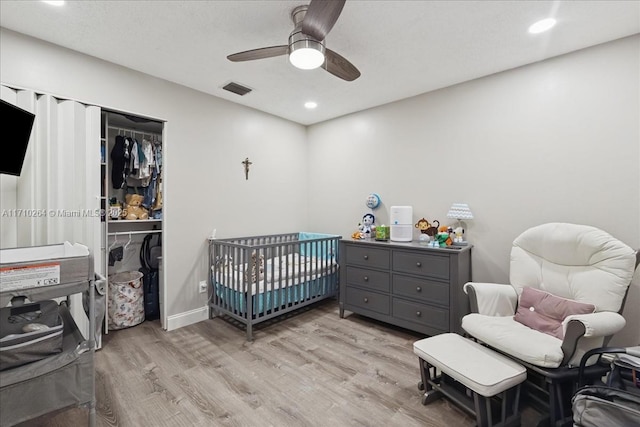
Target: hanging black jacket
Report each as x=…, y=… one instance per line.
x=120, y=161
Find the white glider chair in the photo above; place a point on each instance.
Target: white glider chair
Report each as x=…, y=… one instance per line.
x=568, y=285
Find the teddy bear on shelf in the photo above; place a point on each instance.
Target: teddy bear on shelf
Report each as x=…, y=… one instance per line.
x=133, y=208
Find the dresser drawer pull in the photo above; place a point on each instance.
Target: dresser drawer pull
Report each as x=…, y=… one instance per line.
x=365, y=278
x=365, y=299
x=418, y=313
x=418, y=264
x=418, y=289
x=366, y=257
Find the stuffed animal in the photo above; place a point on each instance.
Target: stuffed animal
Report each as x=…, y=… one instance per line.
x=257, y=268
x=357, y=235
x=367, y=227
x=444, y=239
x=459, y=231
x=444, y=236
x=423, y=225
x=433, y=229
x=133, y=208
x=426, y=228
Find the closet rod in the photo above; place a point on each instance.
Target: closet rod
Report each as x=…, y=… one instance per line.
x=126, y=233
x=124, y=129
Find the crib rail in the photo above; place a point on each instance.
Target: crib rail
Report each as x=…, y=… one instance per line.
x=256, y=278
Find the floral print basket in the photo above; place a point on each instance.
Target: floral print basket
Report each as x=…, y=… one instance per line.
x=126, y=300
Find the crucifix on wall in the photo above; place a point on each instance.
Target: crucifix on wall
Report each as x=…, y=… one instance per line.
x=246, y=164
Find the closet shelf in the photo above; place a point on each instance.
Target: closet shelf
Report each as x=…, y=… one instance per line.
x=134, y=221
x=132, y=233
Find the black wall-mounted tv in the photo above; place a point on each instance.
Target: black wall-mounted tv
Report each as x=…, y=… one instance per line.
x=16, y=124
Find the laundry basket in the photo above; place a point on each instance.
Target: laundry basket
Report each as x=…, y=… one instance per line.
x=126, y=300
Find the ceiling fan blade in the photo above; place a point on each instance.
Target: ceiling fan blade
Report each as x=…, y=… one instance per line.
x=321, y=17
x=339, y=66
x=264, y=52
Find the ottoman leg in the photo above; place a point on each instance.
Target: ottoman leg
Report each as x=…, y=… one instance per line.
x=423, y=379
x=509, y=415
x=428, y=382
x=483, y=410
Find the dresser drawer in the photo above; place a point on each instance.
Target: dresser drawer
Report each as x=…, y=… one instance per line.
x=371, y=279
x=421, y=263
x=421, y=289
x=421, y=314
x=367, y=300
x=368, y=257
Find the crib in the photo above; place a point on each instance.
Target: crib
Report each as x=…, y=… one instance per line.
x=255, y=279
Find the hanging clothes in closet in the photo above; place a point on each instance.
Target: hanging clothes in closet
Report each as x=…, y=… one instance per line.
x=145, y=169
x=120, y=157
x=142, y=163
x=136, y=167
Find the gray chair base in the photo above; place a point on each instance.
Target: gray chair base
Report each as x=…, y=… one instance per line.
x=501, y=410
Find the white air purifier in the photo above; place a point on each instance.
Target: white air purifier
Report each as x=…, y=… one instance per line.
x=401, y=218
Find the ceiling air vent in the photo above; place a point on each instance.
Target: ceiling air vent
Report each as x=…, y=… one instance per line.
x=237, y=88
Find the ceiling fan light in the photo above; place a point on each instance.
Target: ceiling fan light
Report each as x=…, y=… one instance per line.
x=306, y=53
x=306, y=58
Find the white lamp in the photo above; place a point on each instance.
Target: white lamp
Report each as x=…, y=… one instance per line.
x=459, y=211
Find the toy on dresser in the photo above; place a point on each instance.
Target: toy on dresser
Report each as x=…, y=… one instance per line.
x=443, y=238
x=367, y=226
x=426, y=228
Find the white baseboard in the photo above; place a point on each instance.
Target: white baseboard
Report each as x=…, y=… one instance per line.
x=187, y=318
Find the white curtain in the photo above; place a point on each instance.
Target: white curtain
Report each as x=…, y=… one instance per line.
x=58, y=191
x=8, y=191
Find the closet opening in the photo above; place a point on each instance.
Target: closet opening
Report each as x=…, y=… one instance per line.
x=131, y=159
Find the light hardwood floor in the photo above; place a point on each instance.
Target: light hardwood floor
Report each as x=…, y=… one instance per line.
x=309, y=369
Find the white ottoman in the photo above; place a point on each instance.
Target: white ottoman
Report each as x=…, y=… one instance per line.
x=481, y=381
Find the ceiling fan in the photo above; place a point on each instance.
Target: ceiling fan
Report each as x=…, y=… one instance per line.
x=306, y=48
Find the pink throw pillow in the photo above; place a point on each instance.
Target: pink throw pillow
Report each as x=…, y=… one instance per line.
x=544, y=312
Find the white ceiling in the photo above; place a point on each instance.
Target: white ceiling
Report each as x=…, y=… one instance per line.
x=402, y=48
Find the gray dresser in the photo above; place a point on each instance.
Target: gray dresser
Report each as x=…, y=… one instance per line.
x=405, y=284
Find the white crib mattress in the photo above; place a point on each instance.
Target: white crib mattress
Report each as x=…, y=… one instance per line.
x=279, y=272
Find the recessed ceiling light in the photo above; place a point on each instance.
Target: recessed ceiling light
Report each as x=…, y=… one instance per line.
x=542, y=26
x=54, y=2
x=310, y=105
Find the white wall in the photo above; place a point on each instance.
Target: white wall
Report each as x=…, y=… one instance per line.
x=206, y=140
x=555, y=141
x=558, y=140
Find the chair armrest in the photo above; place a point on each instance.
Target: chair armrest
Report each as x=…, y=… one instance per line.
x=491, y=299
x=593, y=325
x=601, y=324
